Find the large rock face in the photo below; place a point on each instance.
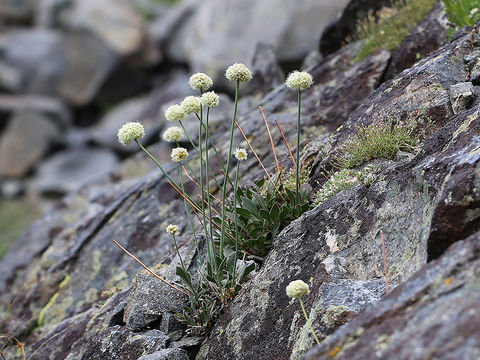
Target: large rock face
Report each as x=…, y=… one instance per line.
x=56, y=279
x=434, y=313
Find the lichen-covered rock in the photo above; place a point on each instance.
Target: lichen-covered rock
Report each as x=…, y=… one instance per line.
x=436, y=312
x=150, y=298
x=166, y=354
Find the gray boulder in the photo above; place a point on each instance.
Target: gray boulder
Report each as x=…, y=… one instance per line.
x=24, y=142
x=293, y=28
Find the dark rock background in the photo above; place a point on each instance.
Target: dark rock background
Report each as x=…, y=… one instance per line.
x=57, y=280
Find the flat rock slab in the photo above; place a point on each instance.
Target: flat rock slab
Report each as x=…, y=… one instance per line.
x=71, y=169
x=435, y=315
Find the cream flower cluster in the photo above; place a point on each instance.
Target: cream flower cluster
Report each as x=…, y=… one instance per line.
x=129, y=132
x=240, y=154
x=200, y=81
x=173, y=134
x=210, y=99
x=191, y=104
x=178, y=154
x=297, y=288
x=172, y=229
x=238, y=72
x=299, y=80
x=175, y=113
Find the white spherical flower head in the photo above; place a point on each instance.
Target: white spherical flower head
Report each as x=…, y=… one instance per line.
x=179, y=154
x=210, y=99
x=241, y=154
x=238, y=72
x=200, y=81
x=173, y=134
x=129, y=132
x=297, y=288
x=175, y=113
x=299, y=80
x=172, y=229
x=191, y=104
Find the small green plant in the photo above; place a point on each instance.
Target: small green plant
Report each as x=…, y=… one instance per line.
x=387, y=28
x=376, y=141
x=461, y=13
x=261, y=214
x=344, y=180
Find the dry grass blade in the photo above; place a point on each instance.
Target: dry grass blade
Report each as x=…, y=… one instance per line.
x=259, y=161
x=271, y=140
x=384, y=261
x=146, y=268
x=196, y=183
x=286, y=143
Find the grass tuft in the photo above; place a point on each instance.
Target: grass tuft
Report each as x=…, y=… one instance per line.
x=376, y=141
x=387, y=28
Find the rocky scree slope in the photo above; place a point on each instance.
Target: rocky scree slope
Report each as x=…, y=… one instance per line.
x=52, y=282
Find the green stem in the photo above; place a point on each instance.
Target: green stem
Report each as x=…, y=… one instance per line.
x=235, y=217
x=207, y=174
x=308, y=321
x=229, y=158
x=216, y=150
x=297, y=183
x=178, y=252
x=189, y=219
x=188, y=137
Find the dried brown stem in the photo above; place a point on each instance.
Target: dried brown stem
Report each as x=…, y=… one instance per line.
x=259, y=161
x=146, y=268
x=271, y=140
x=196, y=183
x=384, y=261
x=286, y=142
x=195, y=208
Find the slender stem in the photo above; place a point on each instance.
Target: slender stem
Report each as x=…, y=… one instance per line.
x=186, y=209
x=215, y=149
x=227, y=170
x=297, y=201
x=235, y=217
x=308, y=321
x=146, y=268
x=384, y=261
x=156, y=163
x=286, y=142
x=188, y=137
x=207, y=172
x=178, y=252
x=271, y=140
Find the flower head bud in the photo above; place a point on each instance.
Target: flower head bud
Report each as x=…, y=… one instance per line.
x=210, y=99
x=191, y=104
x=172, y=229
x=200, y=81
x=241, y=154
x=238, y=72
x=173, y=134
x=297, y=288
x=179, y=154
x=174, y=113
x=299, y=80
x=129, y=132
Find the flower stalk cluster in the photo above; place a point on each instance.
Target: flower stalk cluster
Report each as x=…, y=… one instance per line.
x=222, y=219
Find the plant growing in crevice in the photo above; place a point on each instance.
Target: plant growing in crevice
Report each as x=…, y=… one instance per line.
x=233, y=227
x=344, y=180
x=378, y=140
x=387, y=28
